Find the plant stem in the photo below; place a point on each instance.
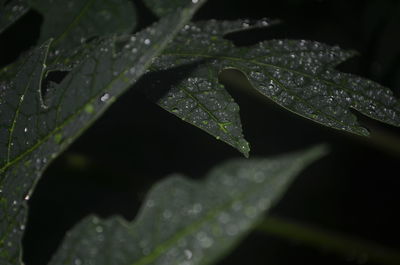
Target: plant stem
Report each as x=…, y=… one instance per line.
x=346, y=246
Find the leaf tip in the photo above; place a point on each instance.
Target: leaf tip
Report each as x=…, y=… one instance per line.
x=316, y=152
x=244, y=147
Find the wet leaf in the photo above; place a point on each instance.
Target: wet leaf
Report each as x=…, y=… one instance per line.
x=299, y=75
x=200, y=101
x=35, y=130
x=72, y=23
x=11, y=11
x=188, y=222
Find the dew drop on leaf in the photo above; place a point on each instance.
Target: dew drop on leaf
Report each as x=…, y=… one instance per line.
x=105, y=97
x=99, y=229
x=188, y=254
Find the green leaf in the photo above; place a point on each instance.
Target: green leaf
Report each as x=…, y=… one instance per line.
x=199, y=100
x=35, y=130
x=299, y=75
x=188, y=222
x=15, y=181
x=72, y=23
x=11, y=12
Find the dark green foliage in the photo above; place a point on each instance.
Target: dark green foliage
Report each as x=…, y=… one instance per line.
x=91, y=46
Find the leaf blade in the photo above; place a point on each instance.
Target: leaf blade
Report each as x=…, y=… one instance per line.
x=185, y=221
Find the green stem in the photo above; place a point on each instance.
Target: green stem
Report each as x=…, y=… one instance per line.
x=342, y=245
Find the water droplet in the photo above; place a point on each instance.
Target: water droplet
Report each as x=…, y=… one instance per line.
x=150, y=203
x=205, y=241
x=224, y=218
x=105, y=97
x=271, y=86
x=99, y=229
x=25, y=129
x=188, y=254
x=232, y=230
x=167, y=214
x=264, y=22
x=147, y=41
x=196, y=209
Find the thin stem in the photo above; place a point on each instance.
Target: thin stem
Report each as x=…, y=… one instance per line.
x=343, y=245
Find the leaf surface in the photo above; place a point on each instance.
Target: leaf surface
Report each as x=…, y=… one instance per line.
x=187, y=222
x=72, y=23
x=197, y=98
x=35, y=130
x=11, y=11
x=299, y=75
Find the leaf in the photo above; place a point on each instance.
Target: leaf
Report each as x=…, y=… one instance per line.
x=199, y=100
x=299, y=75
x=188, y=222
x=35, y=130
x=16, y=181
x=72, y=23
x=11, y=11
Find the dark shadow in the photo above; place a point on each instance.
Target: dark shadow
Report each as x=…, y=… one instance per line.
x=52, y=78
x=155, y=85
x=145, y=16
x=20, y=37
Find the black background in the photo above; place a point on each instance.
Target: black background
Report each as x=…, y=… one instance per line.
x=354, y=190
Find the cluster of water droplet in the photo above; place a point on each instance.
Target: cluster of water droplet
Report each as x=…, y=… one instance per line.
x=297, y=74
